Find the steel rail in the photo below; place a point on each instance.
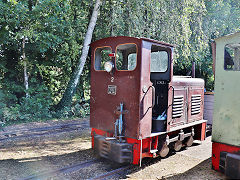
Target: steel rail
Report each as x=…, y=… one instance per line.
x=43, y=131
x=14, y=132
x=111, y=173
x=67, y=169
x=37, y=134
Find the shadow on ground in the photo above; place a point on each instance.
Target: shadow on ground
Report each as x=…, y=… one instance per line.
x=201, y=171
x=25, y=159
x=23, y=167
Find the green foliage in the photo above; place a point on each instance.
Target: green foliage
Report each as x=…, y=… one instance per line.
x=55, y=30
x=37, y=106
x=78, y=109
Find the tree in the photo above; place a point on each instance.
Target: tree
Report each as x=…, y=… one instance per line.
x=54, y=32
x=25, y=66
x=66, y=100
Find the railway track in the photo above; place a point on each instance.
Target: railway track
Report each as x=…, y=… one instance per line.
x=67, y=169
x=108, y=171
x=77, y=167
x=32, y=132
x=111, y=174
x=81, y=168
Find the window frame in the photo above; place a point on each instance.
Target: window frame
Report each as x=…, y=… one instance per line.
x=224, y=49
x=168, y=60
x=115, y=64
x=95, y=58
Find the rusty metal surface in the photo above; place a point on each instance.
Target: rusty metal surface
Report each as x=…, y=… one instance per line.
x=191, y=91
x=145, y=123
x=103, y=105
x=113, y=150
x=208, y=108
x=146, y=99
x=133, y=89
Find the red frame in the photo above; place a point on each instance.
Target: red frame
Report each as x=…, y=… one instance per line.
x=219, y=147
x=136, y=145
x=147, y=143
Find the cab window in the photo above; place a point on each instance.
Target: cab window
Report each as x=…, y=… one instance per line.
x=232, y=57
x=126, y=57
x=102, y=56
x=159, y=59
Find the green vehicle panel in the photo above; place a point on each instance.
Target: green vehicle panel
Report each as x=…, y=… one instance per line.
x=226, y=116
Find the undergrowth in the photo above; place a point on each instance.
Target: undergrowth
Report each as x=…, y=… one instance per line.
x=37, y=107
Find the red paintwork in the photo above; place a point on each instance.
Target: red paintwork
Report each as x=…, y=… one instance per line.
x=203, y=131
x=136, y=145
x=219, y=147
x=99, y=132
x=103, y=106
x=148, y=144
x=136, y=149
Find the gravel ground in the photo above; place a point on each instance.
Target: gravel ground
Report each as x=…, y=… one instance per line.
x=191, y=163
x=24, y=157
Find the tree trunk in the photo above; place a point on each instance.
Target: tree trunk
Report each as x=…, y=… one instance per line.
x=66, y=100
x=25, y=74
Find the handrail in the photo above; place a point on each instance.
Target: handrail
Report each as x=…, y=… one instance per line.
x=153, y=95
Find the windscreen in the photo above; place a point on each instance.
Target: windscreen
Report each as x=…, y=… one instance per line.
x=126, y=57
x=232, y=57
x=101, y=57
x=159, y=59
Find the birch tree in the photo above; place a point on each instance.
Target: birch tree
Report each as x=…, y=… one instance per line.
x=66, y=100
x=25, y=73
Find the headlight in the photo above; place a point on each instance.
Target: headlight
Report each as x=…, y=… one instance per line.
x=108, y=66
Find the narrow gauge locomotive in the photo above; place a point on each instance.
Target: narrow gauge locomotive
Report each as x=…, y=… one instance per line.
x=138, y=108
x=226, y=120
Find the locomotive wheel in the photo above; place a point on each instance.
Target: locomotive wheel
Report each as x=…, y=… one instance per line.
x=189, y=141
x=164, y=151
x=177, y=145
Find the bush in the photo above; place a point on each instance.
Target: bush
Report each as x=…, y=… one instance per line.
x=35, y=107
x=78, y=109
x=38, y=106
x=81, y=109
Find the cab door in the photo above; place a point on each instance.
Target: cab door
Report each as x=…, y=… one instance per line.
x=156, y=75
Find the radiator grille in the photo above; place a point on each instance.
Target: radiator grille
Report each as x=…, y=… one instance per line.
x=177, y=110
x=196, y=104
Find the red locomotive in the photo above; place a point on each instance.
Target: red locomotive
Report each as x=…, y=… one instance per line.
x=138, y=108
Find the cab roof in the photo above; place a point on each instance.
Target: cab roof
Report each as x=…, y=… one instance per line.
x=133, y=38
x=232, y=35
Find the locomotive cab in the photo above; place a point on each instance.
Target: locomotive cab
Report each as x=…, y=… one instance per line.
x=137, y=107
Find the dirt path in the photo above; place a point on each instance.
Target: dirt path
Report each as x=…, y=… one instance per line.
x=28, y=156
